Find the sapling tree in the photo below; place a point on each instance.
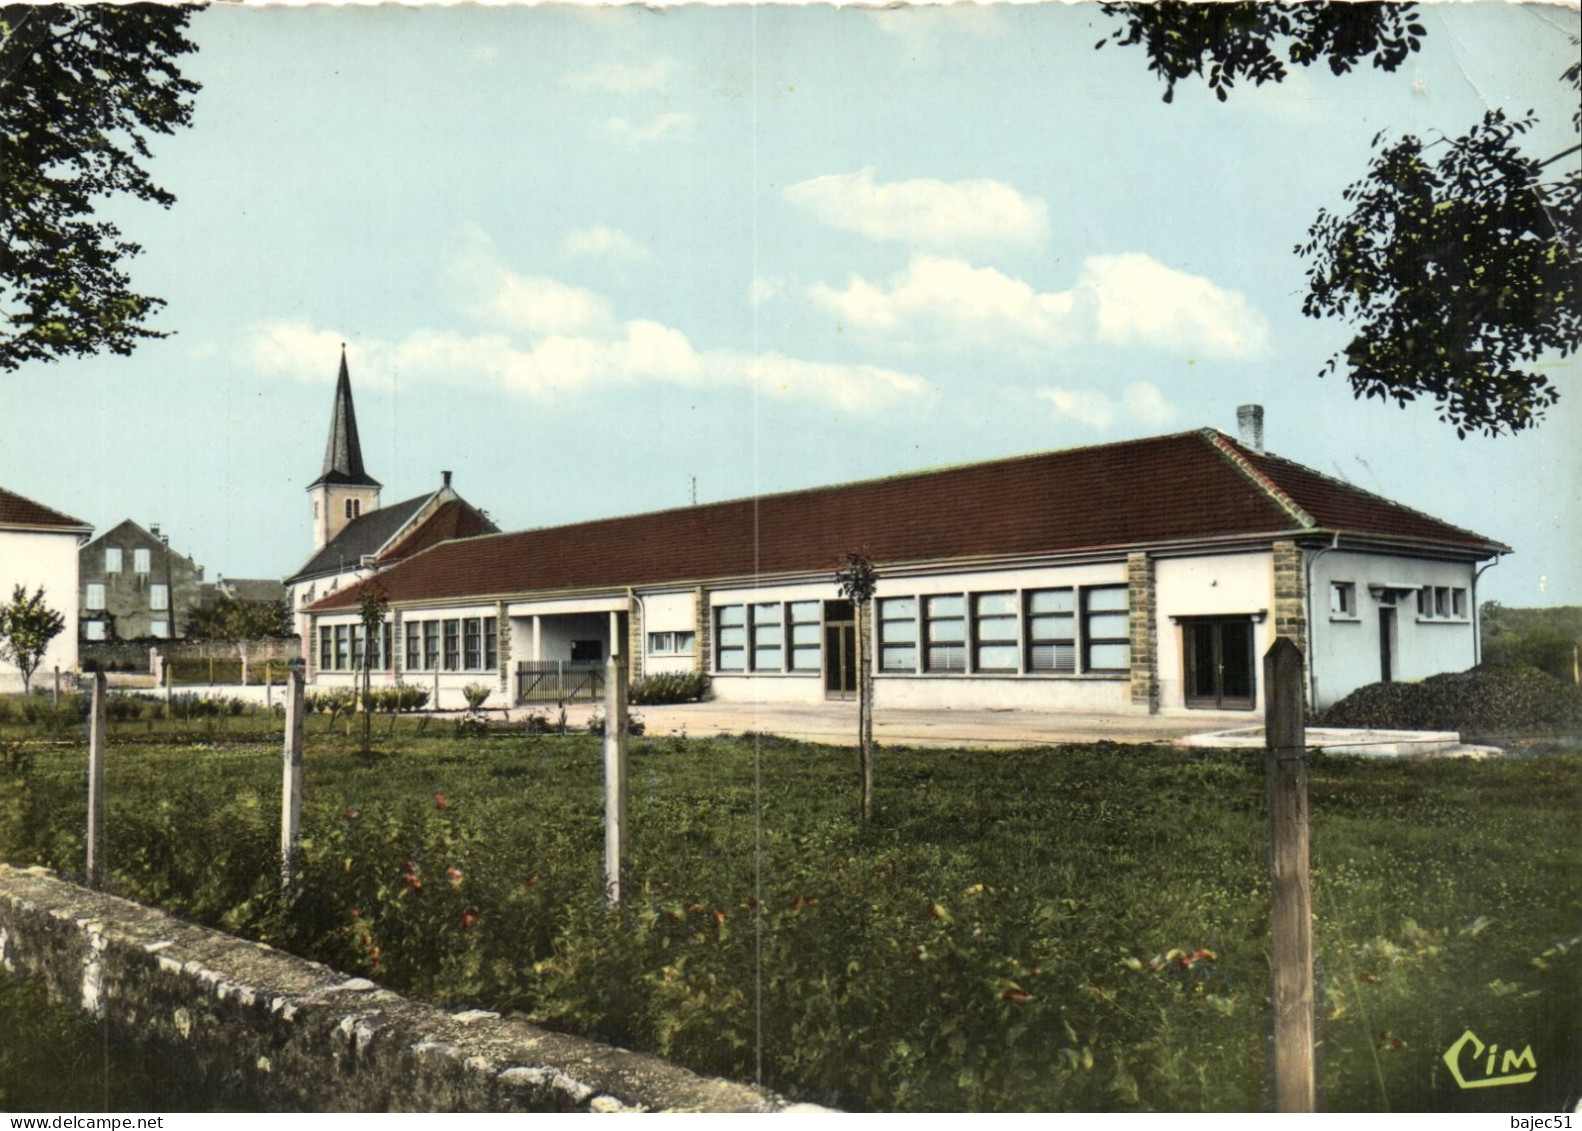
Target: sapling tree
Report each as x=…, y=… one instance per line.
x=27, y=625
x=372, y=605
x=857, y=579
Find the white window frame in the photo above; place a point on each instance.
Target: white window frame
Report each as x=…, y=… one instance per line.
x=159, y=597
x=112, y=559
x=1342, y=600
x=159, y=628
x=93, y=599
x=140, y=559
x=93, y=629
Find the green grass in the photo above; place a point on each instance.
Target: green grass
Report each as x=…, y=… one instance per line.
x=1012, y=931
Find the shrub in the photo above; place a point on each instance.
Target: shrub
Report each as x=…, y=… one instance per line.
x=670, y=687
x=1491, y=699
x=634, y=724
x=476, y=694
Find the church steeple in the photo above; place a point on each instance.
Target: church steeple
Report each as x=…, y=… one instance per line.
x=343, y=454
x=344, y=491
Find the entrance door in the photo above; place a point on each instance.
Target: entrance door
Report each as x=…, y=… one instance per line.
x=1218, y=657
x=840, y=650
x=1386, y=645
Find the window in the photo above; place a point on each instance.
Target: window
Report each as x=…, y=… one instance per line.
x=1052, y=631
x=95, y=598
x=1106, y=631
x=672, y=643
x=343, y=647
x=1458, y=606
x=140, y=560
x=354, y=507
x=95, y=629
x=112, y=559
x=768, y=632
x=806, y=654
x=945, y=633
x=994, y=632
x=326, y=648
x=359, y=633
x=158, y=596
x=898, y=634
x=159, y=628
x=453, y=645
x=431, y=645
x=472, y=643
x=413, y=632
x=1441, y=602
x=731, y=638
x=1343, y=599
x=491, y=643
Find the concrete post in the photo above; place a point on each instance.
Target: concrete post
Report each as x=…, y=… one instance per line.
x=1290, y=882
x=291, y=781
x=96, y=727
x=616, y=862
x=55, y=698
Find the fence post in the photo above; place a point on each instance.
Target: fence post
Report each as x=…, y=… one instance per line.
x=96, y=728
x=1290, y=882
x=615, y=727
x=55, y=698
x=291, y=781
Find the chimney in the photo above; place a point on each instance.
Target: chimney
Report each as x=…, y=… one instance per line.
x=153, y=528
x=445, y=475
x=1249, y=426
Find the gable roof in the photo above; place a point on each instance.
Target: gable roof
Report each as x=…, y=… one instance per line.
x=343, y=453
x=367, y=534
x=16, y=511
x=1191, y=486
x=454, y=519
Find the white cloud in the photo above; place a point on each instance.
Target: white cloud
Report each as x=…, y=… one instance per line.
x=925, y=213
x=922, y=29
x=623, y=78
x=1141, y=401
x=600, y=242
x=624, y=132
x=543, y=340
x=1141, y=301
x=1125, y=300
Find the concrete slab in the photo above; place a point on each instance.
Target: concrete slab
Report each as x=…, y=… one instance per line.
x=1340, y=740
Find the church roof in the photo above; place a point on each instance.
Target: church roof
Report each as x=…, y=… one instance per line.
x=343, y=454
x=369, y=534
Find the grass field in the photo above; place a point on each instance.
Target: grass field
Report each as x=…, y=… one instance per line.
x=1072, y=928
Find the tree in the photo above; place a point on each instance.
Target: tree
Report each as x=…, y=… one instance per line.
x=27, y=625
x=857, y=579
x=1457, y=274
x=372, y=606
x=241, y=621
x=82, y=87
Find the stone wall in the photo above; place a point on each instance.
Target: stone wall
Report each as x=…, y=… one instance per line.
x=1142, y=605
x=269, y=1031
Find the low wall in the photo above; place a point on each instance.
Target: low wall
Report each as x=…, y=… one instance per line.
x=275, y=1032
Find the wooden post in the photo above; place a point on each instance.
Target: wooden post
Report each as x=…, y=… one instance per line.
x=615, y=728
x=291, y=781
x=1290, y=886
x=865, y=704
x=55, y=698
x=96, y=726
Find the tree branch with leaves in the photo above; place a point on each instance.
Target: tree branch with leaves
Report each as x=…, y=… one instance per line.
x=27, y=625
x=857, y=579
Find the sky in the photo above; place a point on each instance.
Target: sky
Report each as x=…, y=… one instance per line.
x=594, y=260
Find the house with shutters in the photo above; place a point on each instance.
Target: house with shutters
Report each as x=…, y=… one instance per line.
x=134, y=586
x=353, y=535
x=38, y=549
x=1143, y=576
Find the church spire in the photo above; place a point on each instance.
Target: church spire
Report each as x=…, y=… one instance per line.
x=343, y=454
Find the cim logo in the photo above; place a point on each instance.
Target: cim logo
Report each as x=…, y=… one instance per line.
x=1458, y=1053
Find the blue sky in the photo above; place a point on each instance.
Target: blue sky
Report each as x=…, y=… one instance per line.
x=582, y=256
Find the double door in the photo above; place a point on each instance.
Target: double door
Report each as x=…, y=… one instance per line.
x=1221, y=673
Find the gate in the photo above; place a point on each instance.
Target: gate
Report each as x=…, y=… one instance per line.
x=559, y=681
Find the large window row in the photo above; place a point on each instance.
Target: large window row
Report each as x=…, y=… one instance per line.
x=1056, y=631
x=341, y=648
x=457, y=644
x=767, y=636
x=1442, y=602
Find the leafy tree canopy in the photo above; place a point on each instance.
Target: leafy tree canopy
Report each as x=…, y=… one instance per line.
x=240, y=620
x=1456, y=267
x=82, y=87
x=27, y=625
x=1245, y=40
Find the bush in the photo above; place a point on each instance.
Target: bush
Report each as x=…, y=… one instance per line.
x=476, y=694
x=670, y=687
x=1491, y=699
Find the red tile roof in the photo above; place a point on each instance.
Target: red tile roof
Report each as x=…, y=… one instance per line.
x=1184, y=487
x=455, y=519
x=17, y=511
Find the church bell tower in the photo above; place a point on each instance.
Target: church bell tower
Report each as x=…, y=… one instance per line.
x=343, y=492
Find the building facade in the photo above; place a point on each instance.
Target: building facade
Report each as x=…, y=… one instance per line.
x=38, y=549
x=1144, y=576
x=135, y=587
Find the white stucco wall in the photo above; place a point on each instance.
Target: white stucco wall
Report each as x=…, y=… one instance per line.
x=668, y=612
x=1206, y=586
x=1346, y=650
x=32, y=559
